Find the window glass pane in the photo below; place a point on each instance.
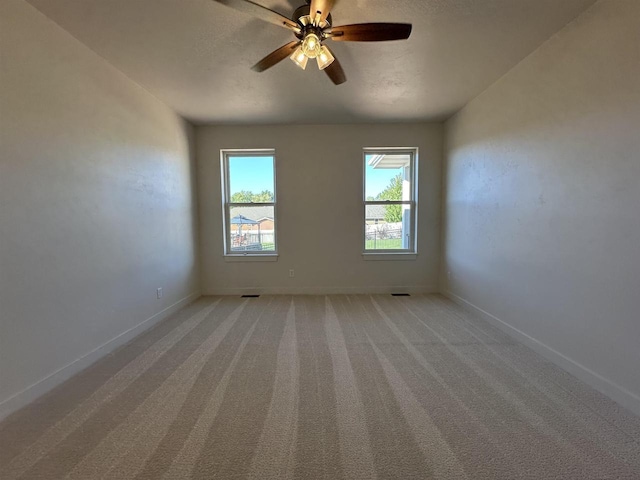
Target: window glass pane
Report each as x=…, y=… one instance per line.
x=387, y=176
x=388, y=227
x=252, y=229
x=251, y=179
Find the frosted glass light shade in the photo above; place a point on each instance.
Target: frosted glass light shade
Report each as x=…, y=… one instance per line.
x=299, y=58
x=311, y=45
x=325, y=58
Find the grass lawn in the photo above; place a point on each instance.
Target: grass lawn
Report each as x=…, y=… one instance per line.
x=386, y=244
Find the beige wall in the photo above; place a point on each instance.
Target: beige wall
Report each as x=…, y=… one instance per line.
x=96, y=206
x=319, y=211
x=543, y=200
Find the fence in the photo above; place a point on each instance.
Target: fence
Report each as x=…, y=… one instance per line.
x=380, y=238
x=252, y=240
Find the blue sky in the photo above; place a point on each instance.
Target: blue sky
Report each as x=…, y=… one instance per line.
x=378, y=179
x=256, y=174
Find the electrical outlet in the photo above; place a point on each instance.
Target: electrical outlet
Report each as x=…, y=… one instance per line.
x=159, y=293
x=292, y=273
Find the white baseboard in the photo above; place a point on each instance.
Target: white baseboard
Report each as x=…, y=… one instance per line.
x=615, y=392
x=42, y=386
x=415, y=289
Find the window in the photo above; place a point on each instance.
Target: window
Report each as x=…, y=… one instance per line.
x=389, y=200
x=249, y=198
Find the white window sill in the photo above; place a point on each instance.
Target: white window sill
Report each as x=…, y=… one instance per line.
x=404, y=256
x=248, y=257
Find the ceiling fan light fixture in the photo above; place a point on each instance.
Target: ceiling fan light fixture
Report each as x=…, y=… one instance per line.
x=311, y=45
x=325, y=58
x=299, y=58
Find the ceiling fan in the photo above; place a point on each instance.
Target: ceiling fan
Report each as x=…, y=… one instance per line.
x=312, y=25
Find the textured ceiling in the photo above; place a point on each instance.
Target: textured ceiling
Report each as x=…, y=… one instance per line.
x=195, y=55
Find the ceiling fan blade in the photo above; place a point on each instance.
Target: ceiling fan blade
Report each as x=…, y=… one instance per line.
x=263, y=13
x=370, y=32
x=335, y=72
x=319, y=11
x=275, y=56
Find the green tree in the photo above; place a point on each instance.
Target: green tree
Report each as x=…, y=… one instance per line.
x=243, y=196
x=246, y=196
x=264, y=196
x=393, y=213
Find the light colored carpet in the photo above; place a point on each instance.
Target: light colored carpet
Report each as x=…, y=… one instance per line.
x=331, y=387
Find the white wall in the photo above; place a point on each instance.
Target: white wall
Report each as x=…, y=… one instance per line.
x=319, y=211
x=543, y=200
x=96, y=206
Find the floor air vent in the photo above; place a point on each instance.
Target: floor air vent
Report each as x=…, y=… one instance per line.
x=250, y=296
x=400, y=295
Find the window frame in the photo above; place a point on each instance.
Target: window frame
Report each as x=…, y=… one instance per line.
x=227, y=205
x=412, y=202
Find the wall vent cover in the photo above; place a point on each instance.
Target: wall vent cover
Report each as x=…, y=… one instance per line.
x=250, y=296
x=400, y=295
